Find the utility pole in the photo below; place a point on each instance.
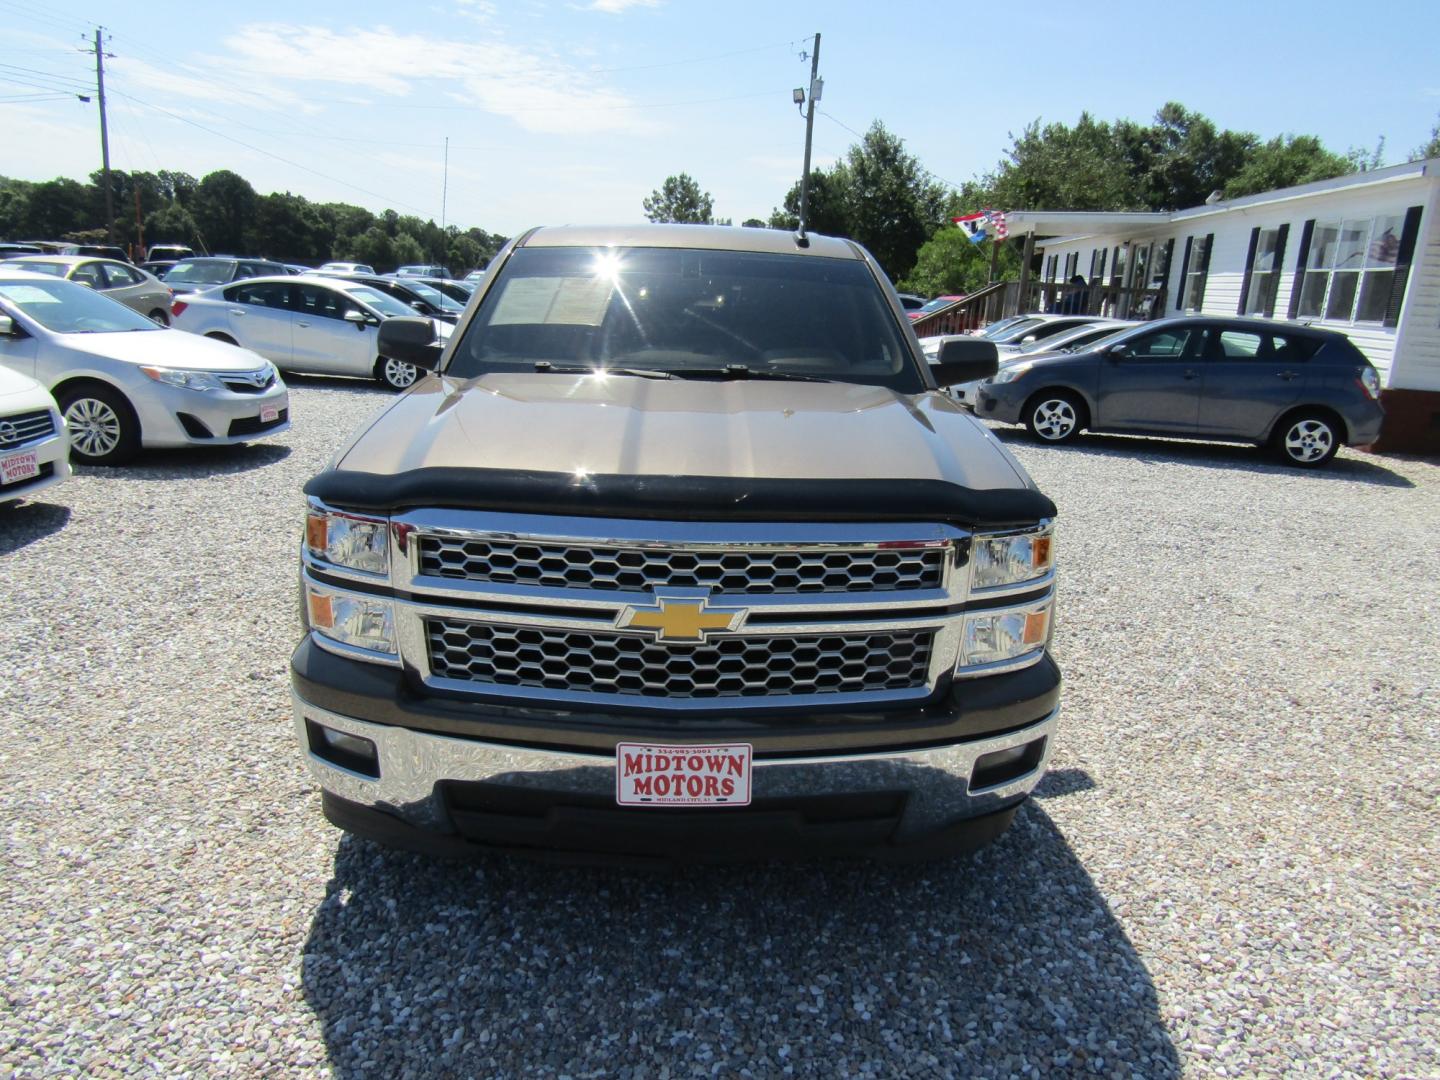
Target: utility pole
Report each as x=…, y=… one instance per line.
x=809, y=131
x=100, y=55
x=445, y=184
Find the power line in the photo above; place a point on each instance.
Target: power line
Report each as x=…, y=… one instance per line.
x=927, y=172
x=267, y=153
x=583, y=109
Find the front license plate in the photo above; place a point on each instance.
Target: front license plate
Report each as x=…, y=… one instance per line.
x=19, y=467
x=269, y=413
x=651, y=775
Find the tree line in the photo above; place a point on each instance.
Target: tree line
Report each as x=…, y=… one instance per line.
x=222, y=212
x=881, y=196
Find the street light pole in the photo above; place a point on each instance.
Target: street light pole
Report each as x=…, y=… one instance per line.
x=809, y=131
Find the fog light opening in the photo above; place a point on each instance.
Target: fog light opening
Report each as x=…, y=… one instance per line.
x=1004, y=766
x=346, y=751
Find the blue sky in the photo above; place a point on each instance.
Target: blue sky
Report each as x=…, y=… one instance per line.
x=574, y=110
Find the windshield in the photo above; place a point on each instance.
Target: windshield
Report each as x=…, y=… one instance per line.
x=1070, y=340
x=688, y=313
x=381, y=302
x=434, y=296
x=201, y=272
x=67, y=308
x=938, y=303
x=1015, y=331
x=995, y=329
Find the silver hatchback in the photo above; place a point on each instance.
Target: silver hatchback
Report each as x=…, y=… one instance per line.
x=137, y=289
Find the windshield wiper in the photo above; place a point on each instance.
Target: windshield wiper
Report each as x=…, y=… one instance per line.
x=581, y=369
x=744, y=371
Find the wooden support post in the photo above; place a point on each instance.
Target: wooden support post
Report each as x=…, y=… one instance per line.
x=1024, y=298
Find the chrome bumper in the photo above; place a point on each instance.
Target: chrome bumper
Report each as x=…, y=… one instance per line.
x=937, y=780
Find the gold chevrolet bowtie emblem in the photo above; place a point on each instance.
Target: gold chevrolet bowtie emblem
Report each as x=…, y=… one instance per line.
x=680, y=618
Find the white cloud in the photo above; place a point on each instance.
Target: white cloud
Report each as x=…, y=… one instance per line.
x=539, y=93
x=619, y=7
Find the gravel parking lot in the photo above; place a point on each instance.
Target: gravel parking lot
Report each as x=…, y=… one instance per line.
x=1232, y=869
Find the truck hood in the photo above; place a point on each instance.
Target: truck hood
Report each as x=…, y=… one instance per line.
x=625, y=426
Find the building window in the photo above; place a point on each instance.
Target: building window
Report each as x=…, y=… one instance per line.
x=1193, y=298
x=1264, y=274
x=1351, y=269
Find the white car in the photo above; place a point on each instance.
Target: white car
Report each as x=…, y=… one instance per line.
x=122, y=382
x=346, y=268
x=318, y=325
x=1026, y=347
x=33, y=444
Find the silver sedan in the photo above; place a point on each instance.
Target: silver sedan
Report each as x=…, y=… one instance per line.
x=122, y=382
x=135, y=288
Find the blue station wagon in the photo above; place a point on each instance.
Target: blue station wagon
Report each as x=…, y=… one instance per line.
x=1303, y=391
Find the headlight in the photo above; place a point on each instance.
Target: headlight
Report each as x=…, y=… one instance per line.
x=361, y=622
x=349, y=540
x=186, y=380
x=992, y=637
x=1011, y=372
x=1011, y=560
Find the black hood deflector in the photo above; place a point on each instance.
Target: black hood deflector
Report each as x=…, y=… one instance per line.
x=680, y=498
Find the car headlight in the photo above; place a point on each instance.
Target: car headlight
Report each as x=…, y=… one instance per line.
x=348, y=540
x=1010, y=372
x=360, y=622
x=186, y=380
x=1011, y=559
x=1005, y=634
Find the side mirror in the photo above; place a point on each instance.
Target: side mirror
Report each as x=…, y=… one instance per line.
x=418, y=305
x=7, y=327
x=411, y=341
x=1119, y=352
x=965, y=359
x=352, y=315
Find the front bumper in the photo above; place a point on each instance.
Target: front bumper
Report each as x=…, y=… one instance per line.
x=52, y=455
x=930, y=791
x=173, y=416
x=999, y=401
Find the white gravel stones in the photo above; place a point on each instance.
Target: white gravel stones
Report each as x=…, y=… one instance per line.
x=1231, y=870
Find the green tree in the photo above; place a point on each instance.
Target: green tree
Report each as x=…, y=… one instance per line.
x=291, y=228
x=949, y=263
x=171, y=224
x=1285, y=161
x=891, y=204
x=828, y=210
x=752, y=223
x=224, y=208
x=1432, y=148
x=680, y=199
x=1058, y=167
x=371, y=247
x=56, y=207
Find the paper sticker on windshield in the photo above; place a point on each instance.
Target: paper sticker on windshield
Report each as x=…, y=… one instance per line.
x=553, y=302
x=28, y=294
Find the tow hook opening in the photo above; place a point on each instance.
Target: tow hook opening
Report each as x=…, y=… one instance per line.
x=343, y=750
x=1001, y=767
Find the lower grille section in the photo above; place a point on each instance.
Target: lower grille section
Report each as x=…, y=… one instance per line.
x=253, y=425
x=739, y=666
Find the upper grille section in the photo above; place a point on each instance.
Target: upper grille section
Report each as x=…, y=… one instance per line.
x=736, y=571
x=601, y=662
x=25, y=427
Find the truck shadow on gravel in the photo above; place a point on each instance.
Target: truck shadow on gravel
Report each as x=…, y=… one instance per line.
x=23, y=523
x=972, y=967
x=1350, y=465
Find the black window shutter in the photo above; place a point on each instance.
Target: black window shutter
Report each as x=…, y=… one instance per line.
x=1249, y=269
x=1184, y=274
x=1301, y=258
x=1403, y=260
x=1092, y=264
x=1115, y=267
x=1103, y=252
x=1275, y=264
x=1165, y=278
x=1205, y=269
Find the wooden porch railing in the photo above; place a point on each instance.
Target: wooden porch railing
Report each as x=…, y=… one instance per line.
x=971, y=313
x=1042, y=297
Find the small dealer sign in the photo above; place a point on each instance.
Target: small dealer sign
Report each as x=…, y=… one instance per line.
x=650, y=775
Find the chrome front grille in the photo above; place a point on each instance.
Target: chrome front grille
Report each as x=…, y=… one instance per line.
x=642, y=568
x=26, y=427
x=738, y=666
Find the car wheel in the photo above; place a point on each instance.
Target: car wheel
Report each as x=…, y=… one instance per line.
x=1307, y=440
x=159, y=318
x=226, y=338
x=103, y=427
x=396, y=374
x=1054, y=416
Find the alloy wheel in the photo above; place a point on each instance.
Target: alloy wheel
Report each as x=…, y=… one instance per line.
x=1309, y=441
x=94, y=427
x=399, y=374
x=1054, y=419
